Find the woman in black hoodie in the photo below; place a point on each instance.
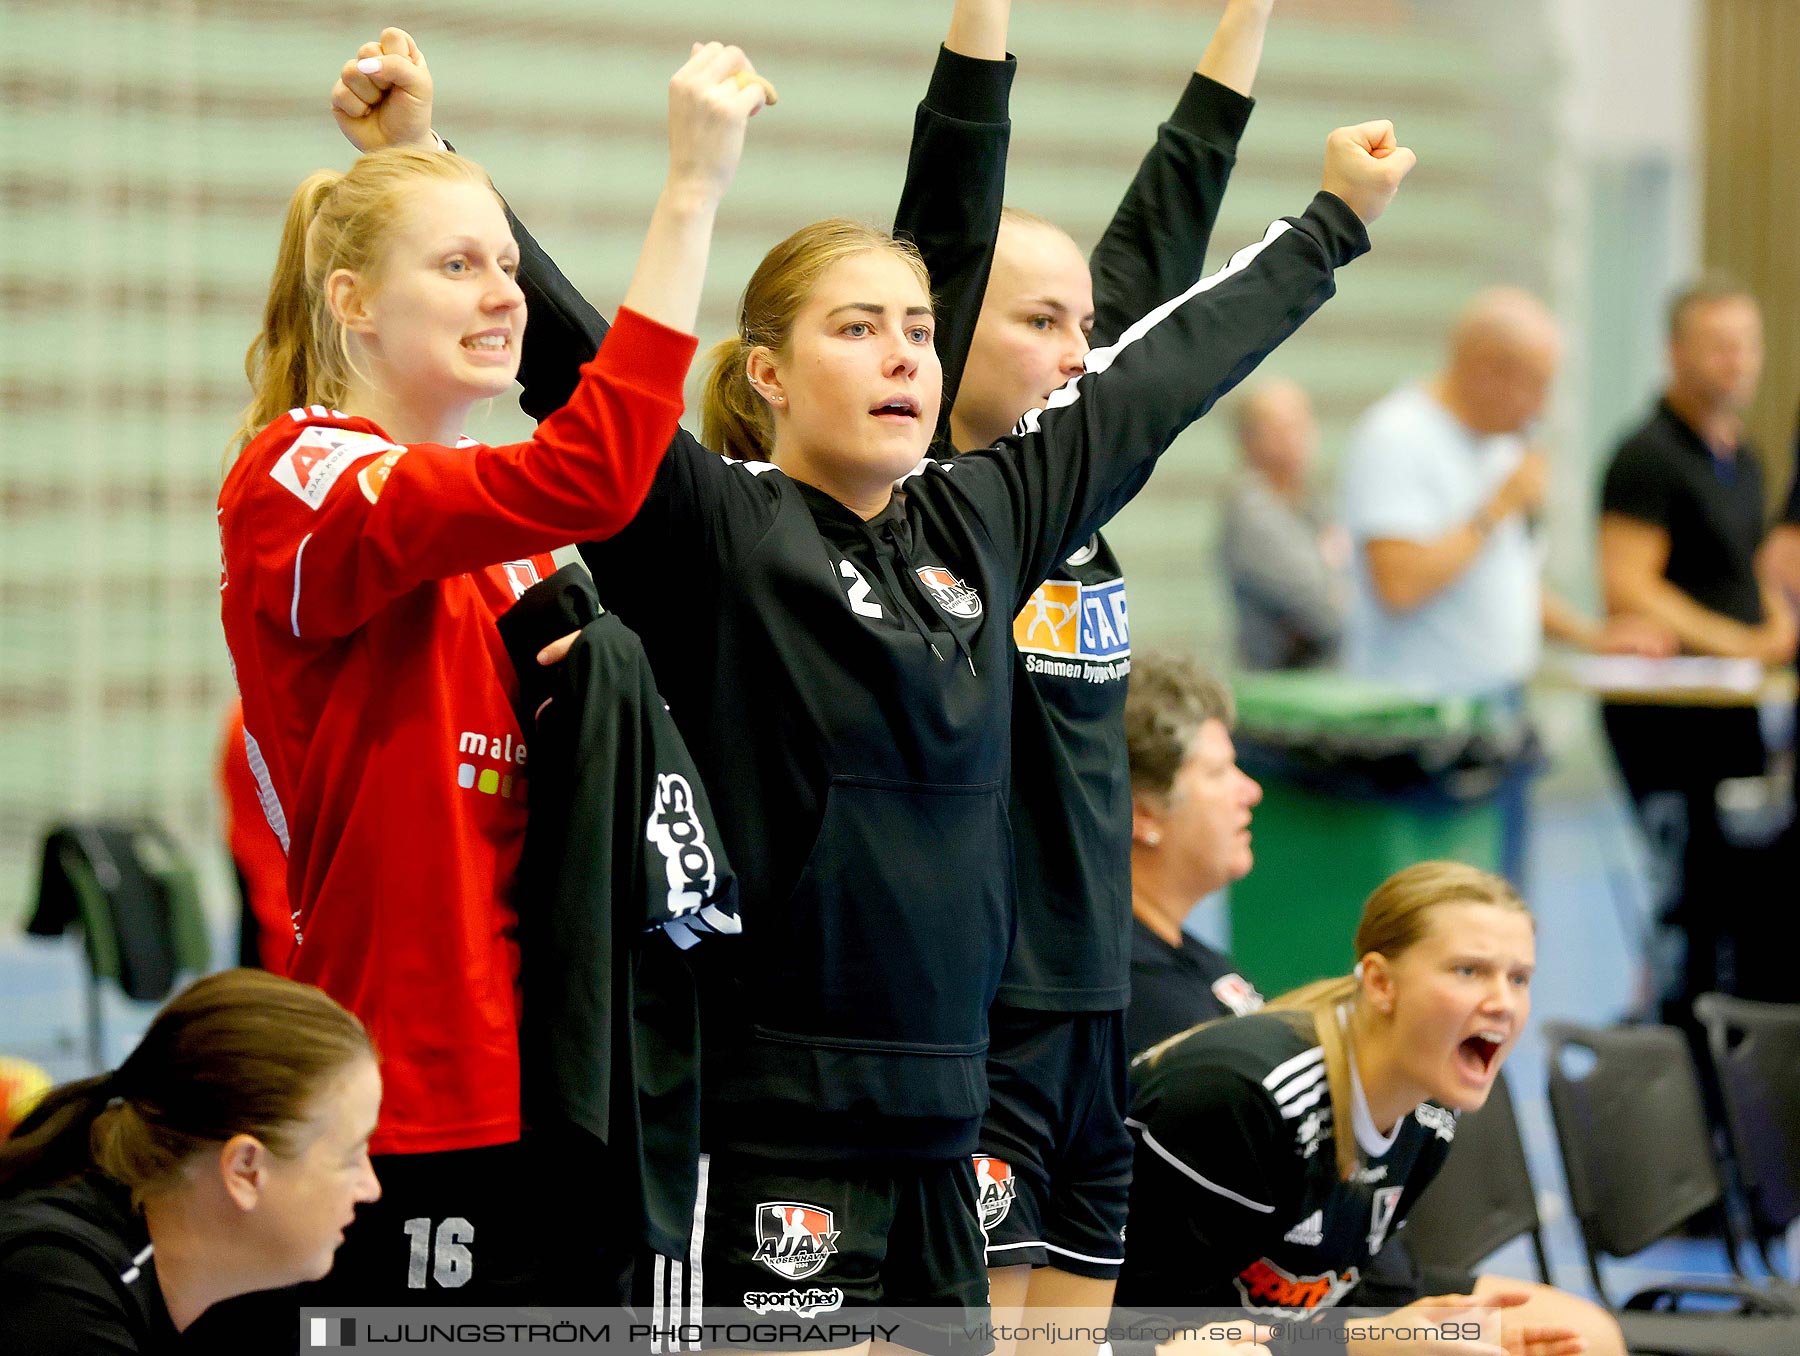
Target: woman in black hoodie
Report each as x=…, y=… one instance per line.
x=832, y=630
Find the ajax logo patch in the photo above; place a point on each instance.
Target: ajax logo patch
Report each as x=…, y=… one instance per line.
x=521, y=575
x=995, y=1189
x=794, y=1239
x=951, y=594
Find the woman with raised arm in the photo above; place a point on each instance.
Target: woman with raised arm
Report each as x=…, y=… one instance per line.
x=838, y=648
x=368, y=549
x=227, y=1154
x=1054, y=1161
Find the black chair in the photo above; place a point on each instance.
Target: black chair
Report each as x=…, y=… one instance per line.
x=1483, y=1197
x=1754, y=1049
x=130, y=890
x=1639, y=1163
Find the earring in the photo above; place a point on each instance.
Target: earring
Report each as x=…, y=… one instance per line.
x=778, y=400
x=1153, y=837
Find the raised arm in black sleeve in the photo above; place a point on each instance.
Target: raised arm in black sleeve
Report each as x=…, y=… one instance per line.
x=1042, y=491
x=562, y=330
x=1155, y=246
x=950, y=204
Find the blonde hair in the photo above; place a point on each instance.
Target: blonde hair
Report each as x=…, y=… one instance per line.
x=242, y=1052
x=301, y=355
x=1019, y=217
x=1395, y=918
x=734, y=418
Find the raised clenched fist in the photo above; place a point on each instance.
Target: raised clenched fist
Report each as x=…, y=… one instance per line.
x=711, y=99
x=383, y=95
x=1364, y=165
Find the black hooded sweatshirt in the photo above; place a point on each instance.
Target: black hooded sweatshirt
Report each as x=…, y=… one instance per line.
x=846, y=690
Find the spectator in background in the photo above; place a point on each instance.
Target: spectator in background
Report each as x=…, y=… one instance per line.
x=1280, y=553
x=1681, y=523
x=1190, y=835
x=1779, y=564
x=1441, y=490
x=1682, y=504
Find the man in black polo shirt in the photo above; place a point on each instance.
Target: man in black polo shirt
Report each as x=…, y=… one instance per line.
x=1682, y=518
x=1780, y=566
x=1781, y=553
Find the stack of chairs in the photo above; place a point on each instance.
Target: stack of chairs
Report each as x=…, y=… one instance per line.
x=1639, y=1159
x=1754, y=1051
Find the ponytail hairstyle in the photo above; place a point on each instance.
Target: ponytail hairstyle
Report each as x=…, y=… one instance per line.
x=301, y=355
x=735, y=419
x=1394, y=919
x=243, y=1052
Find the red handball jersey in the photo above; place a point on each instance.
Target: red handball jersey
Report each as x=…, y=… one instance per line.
x=359, y=592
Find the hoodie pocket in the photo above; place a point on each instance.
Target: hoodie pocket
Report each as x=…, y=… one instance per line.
x=897, y=929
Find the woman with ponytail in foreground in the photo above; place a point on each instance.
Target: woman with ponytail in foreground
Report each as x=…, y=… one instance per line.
x=368, y=549
x=1279, y=1151
x=226, y=1154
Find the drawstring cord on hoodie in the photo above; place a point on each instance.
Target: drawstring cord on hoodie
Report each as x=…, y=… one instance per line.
x=908, y=589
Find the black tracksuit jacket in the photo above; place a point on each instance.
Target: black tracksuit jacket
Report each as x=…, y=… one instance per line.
x=845, y=687
x=622, y=870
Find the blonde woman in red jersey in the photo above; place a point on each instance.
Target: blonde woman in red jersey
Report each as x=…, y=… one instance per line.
x=367, y=550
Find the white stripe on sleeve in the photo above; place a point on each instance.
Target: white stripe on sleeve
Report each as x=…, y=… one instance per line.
x=1102, y=358
x=294, y=611
x=1182, y=1168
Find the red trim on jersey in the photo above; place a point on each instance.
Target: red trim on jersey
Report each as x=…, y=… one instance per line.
x=359, y=611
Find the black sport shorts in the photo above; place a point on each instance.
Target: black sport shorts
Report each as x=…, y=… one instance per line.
x=1054, y=1172
x=774, y=1240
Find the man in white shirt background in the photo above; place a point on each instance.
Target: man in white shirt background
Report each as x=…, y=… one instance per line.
x=1441, y=489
